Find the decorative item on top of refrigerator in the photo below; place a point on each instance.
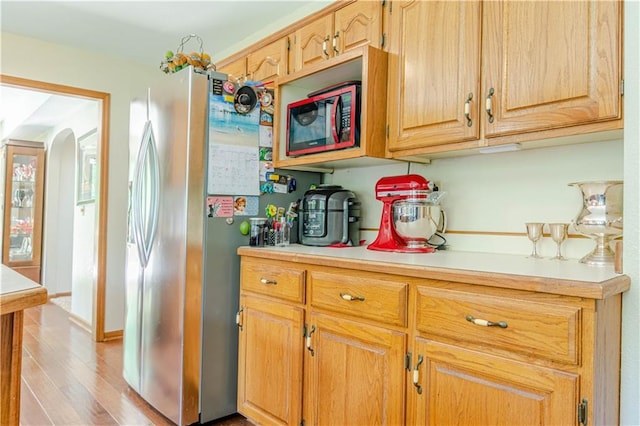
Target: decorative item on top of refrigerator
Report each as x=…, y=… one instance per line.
x=174, y=62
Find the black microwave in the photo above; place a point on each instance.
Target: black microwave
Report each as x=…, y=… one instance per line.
x=327, y=120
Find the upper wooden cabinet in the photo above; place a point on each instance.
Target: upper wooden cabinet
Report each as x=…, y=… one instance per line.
x=501, y=71
x=434, y=68
x=236, y=70
x=268, y=62
x=550, y=64
x=357, y=24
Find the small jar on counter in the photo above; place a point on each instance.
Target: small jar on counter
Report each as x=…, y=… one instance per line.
x=257, y=231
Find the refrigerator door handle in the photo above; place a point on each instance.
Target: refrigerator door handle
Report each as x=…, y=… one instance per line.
x=145, y=197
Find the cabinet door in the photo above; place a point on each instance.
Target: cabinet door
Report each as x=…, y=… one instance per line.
x=355, y=374
x=313, y=42
x=270, y=361
x=235, y=70
x=434, y=73
x=357, y=24
x=464, y=387
x=268, y=62
x=550, y=64
x=23, y=210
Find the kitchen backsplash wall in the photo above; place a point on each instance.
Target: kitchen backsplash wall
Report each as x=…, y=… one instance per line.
x=491, y=195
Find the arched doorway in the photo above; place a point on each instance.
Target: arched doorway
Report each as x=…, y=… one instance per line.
x=101, y=202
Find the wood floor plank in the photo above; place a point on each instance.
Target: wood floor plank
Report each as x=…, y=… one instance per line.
x=52, y=400
x=73, y=368
x=68, y=379
x=34, y=414
x=87, y=406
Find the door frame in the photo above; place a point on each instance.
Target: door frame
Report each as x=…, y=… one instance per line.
x=98, y=323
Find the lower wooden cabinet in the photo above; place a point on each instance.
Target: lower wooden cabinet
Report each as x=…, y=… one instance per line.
x=270, y=361
x=332, y=345
x=462, y=387
x=354, y=373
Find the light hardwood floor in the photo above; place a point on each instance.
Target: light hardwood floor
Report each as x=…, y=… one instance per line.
x=68, y=379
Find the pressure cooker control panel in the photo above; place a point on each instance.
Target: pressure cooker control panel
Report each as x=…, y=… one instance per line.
x=313, y=223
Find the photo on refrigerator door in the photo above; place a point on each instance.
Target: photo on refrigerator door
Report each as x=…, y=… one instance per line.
x=228, y=127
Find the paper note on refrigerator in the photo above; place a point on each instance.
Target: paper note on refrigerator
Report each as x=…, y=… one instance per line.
x=233, y=166
x=233, y=170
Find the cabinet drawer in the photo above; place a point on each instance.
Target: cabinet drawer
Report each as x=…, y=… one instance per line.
x=362, y=295
x=272, y=278
x=531, y=327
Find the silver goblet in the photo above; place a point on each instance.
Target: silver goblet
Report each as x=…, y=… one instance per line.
x=559, y=233
x=534, y=232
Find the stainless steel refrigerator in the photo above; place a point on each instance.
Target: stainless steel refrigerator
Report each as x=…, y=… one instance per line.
x=182, y=270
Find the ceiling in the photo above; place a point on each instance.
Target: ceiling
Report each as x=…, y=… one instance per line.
x=140, y=31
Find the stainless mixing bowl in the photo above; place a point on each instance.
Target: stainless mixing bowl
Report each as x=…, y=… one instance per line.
x=415, y=220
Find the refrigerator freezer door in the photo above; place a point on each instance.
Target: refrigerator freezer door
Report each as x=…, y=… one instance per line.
x=134, y=270
x=168, y=274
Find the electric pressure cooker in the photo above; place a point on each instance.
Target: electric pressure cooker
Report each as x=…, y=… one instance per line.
x=329, y=215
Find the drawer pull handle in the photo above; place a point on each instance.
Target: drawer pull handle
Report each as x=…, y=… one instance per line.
x=485, y=323
x=267, y=281
x=347, y=296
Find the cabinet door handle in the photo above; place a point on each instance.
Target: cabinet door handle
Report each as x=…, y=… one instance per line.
x=467, y=110
x=347, y=296
x=324, y=46
x=267, y=281
x=485, y=323
x=416, y=375
x=335, y=42
x=308, y=340
x=239, y=318
x=489, y=105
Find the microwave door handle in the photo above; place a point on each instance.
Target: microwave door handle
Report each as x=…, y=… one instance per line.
x=336, y=123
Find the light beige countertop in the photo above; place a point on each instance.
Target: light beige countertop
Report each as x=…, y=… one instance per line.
x=568, y=277
x=18, y=292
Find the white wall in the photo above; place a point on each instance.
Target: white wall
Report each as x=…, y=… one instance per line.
x=89, y=70
x=83, y=270
x=80, y=241
x=498, y=193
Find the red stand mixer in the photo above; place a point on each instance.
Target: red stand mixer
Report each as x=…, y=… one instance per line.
x=410, y=214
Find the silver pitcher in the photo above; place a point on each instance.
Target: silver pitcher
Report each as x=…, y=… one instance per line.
x=600, y=218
